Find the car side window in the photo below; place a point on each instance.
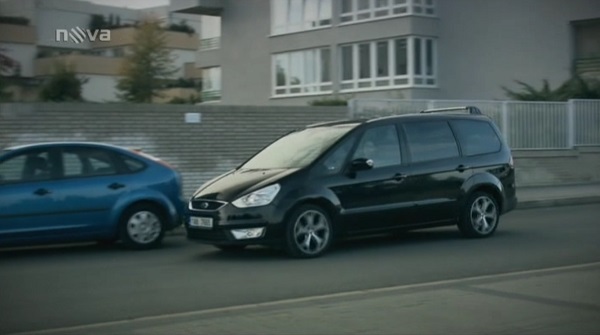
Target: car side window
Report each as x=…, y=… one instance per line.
x=30, y=166
x=381, y=145
x=335, y=161
x=476, y=137
x=87, y=162
x=132, y=164
x=430, y=140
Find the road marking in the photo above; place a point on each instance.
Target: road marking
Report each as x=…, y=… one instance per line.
x=312, y=298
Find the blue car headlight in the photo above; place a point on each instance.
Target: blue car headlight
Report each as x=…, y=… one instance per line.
x=261, y=197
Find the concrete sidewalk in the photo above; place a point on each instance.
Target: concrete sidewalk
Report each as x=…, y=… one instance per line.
x=558, y=195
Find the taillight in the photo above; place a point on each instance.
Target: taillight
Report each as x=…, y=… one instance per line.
x=511, y=162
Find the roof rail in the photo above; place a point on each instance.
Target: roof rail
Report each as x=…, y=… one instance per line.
x=468, y=109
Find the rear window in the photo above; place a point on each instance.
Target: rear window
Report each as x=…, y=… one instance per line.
x=476, y=137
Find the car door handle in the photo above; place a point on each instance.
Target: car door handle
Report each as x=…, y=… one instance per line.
x=399, y=177
x=462, y=168
x=41, y=192
x=116, y=186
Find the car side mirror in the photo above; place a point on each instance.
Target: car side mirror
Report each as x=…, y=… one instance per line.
x=361, y=164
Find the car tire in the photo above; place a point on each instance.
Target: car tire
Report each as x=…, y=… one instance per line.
x=309, y=232
x=480, y=216
x=142, y=227
x=231, y=247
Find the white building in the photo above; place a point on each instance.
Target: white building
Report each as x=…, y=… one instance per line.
x=36, y=48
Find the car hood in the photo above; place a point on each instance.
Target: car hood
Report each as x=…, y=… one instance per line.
x=237, y=183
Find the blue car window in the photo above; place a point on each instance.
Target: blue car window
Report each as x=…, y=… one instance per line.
x=29, y=166
x=88, y=162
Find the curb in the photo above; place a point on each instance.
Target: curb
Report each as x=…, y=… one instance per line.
x=558, y=202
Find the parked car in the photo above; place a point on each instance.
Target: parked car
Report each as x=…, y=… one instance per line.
x=70, y=191
x=330, y=180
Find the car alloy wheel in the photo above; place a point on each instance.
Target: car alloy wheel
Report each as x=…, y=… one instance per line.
x=309, y=232
x=480, y=216
x=484, y=215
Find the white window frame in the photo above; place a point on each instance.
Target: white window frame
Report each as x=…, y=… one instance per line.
x=317, y=87
x=393, y=9
x=214, y=92
x=391, y=80
x=319, y=22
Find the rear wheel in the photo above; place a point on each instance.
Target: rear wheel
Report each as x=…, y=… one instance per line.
x=142, y=227
x=480, y=216
x=308, y=232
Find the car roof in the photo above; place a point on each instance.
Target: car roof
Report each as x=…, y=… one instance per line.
x=403, y=117
x=64, y=143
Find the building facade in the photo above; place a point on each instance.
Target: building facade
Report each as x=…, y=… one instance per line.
x=37, y=43
x=291, y=52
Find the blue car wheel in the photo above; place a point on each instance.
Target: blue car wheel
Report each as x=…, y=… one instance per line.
x=142, y=227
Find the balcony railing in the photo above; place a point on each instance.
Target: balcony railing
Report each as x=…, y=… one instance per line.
x=210, y=43
x=214, y=95
x=82, y=64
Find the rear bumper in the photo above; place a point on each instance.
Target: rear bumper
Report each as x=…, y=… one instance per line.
x=177, y=215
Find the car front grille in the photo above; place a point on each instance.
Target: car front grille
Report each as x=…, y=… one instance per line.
x=207, y=234
x=206, y=205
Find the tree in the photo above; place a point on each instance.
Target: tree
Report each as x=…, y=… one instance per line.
x=97, y=22
x=530, y=93
x=148, y=64
x=63, y=85
x=7, y=66
x=575, y=88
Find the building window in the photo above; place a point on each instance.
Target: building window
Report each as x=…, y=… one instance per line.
x=210, y=32
x=211, y=84
x=288, y=16
x=400, y=62
x=302, y=72
x=360, y=10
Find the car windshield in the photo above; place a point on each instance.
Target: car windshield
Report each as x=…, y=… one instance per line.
x=297, y=149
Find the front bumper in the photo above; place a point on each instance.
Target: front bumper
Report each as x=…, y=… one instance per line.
x=229, y=217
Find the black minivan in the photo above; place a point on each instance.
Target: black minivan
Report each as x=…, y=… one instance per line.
x=330, y=180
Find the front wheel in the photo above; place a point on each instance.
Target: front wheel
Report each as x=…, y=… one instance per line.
x=308, y=232
x=142, y=227
x=480, y=216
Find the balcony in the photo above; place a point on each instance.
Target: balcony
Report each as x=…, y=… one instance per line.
x=126, y=36
x=14, y=33
x=198, y=7
x=82, y=64
x=190, y=71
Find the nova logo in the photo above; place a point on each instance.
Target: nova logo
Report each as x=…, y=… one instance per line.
x=79, y=35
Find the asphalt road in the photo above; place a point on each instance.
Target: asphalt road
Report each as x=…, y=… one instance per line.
x=53, y=288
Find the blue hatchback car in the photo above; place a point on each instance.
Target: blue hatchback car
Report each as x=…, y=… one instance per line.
x=79, y=191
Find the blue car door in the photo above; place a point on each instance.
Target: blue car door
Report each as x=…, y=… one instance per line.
x=92, y=184
x=28, y=197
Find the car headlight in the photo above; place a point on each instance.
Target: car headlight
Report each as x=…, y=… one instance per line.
x=261, y=197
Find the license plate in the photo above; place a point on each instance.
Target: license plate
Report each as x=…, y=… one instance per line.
x=201, y=222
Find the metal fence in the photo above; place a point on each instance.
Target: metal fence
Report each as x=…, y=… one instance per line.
x=524, y=124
